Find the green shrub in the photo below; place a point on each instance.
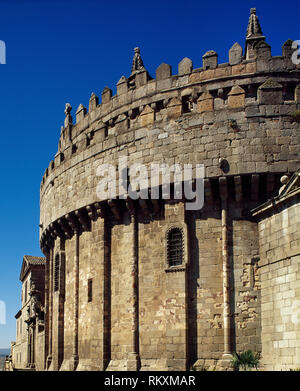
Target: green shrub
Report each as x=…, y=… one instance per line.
x=246, y=360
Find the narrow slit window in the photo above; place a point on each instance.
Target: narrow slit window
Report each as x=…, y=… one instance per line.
x=90, y=290
x=25, y=293
x=186, y=104
x=175, y=247
x=56, y=273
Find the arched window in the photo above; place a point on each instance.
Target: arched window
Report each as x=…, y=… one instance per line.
x=175, y=247
x=56, y=273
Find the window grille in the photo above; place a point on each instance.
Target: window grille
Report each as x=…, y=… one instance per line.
x=56, y=273
x=175, y=247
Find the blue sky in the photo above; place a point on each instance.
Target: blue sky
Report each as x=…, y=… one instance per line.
x=62, y=51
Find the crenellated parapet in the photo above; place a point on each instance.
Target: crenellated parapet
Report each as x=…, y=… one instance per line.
x=243, y=111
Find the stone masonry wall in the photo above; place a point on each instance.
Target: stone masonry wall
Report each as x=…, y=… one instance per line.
x=180, y=310
x=241, y=113
x=69, y=304
x=121, y=294
x=40, y=351
x=91, y=312
x=162, y=295
x=279, y=237
x=205, y=281
x=253, y=132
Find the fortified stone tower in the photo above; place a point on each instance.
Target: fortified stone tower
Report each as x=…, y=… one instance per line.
x=147, y=284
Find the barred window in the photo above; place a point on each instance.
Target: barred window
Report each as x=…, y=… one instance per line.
x=175, y=247
x=90, y=290
x=56, y=273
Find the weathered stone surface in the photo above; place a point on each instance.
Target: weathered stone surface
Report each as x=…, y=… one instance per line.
x=287, y=50
x=254, y=35
x=164, y=71
x=279, y=239
x=263, y=51
x=174, y=108
x=185, y=66
x=122, y=87
x=270, y=93
x=147, y=116
x=80, y=113
x=106, y=95
x=141, y=78
x=94, y=100
x=205, y=102
x=236, y=97
x=235, y=54
x=210, y=60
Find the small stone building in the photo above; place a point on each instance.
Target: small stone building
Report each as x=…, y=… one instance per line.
x=27, y=351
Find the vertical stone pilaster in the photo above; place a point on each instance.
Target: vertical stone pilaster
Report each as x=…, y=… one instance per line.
x=60, y=307
x=29, y=348
x=106, y=237
x=47, y=311
x=75, y=356
x=58, y=304
x=50, y=318
x=133, y=360
x=226, y=272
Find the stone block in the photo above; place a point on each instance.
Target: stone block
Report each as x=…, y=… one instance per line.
x=121, y=124
x=93, y=102
x=251, y=67
x=106, y=95
x=287, y=50
x=80, y=113
x=141, y=79
x=208, y=74
x=270, y=93
x=238, y=69
x=185, y=66
x=236, y=97
x=164, y=71
x=146, y=116
x=263, y=51
x=226, y=71
x=174, y=108
x=210, y=60
x=205, y=102
x=122, y=86
x=235, y=54
x=195, y=77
